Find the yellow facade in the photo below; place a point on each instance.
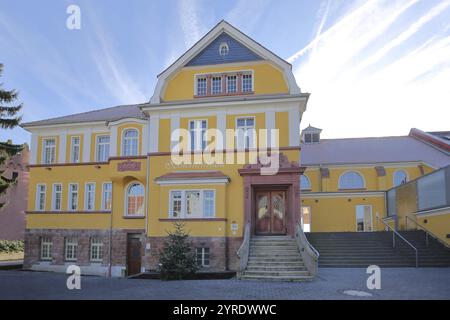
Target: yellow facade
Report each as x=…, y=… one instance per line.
x=268, y=80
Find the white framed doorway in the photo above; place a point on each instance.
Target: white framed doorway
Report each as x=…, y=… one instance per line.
x=364, y=218
x=306, y=218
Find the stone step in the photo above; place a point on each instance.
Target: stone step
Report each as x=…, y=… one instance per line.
x=276, y=278
x=275, y=268
x=276, y=273
x=276, y=263
x=272, y=259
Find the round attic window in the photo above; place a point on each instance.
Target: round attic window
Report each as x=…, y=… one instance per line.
x=223, y=49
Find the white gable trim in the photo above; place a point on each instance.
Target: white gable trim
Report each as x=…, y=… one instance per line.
x=224, y=26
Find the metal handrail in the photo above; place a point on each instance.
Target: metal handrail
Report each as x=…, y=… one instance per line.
x=394, y=232
x=427, y=232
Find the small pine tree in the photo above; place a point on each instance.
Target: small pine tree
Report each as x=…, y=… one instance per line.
x=8, y=120
x=177, y=259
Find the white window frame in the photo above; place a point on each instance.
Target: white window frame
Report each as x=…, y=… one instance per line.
x=86, y=196
x=311, y=134
x=197, y=78
x=252, y=82
x=393, y=177
x=54, y=208
x=69, y=196
x=72, y=146
x=220, y=86
x=183, y=213
x=46, y=242
x=235, y=83
x=252, y=138
x=205, y=137
x=203, y=254
x=74, y=244
x=44, y=149
x=126, y=200
x=38, y=196
x=103, y=196
x=98, y=144
x=122, y=149
x=351, y=171
x=99, y=245
x=225, y=46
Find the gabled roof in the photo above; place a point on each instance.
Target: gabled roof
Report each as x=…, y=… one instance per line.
x=439, y=139
x=310, y=128
x=372, y=150
x=237, y=35
x=106, y=115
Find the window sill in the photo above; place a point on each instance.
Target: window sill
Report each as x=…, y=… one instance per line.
x=134, y=217
x=353, y=189
x=68, y=212
x=191, y=219
x=231, y=94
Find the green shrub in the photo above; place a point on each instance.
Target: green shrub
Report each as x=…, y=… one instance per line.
x=9, y=246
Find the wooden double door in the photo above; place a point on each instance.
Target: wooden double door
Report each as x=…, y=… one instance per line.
x=270, y=212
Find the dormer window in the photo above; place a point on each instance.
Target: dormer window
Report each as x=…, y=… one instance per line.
x=311, y=135
x=224, y=49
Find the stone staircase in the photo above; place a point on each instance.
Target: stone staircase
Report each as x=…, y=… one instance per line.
x=361, y=249
x=275, y=258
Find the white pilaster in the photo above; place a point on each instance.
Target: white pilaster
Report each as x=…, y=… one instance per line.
x=34, y=148
x=221, y=127
x=294, y=127
x=113, y=142
x=174, y=125
x=154, y=133
x=87, y=146
x=270, y=125
x=62, y=148
x=145, y=138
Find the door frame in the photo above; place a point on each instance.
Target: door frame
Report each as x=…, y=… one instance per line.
x=134, y=236
x=269, y=190
x=371, y=217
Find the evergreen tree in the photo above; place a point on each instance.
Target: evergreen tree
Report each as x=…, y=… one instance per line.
x=177, y=259
x=9, y=119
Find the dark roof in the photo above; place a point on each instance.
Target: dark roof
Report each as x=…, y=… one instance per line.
x=372, y=150
x=107, y=115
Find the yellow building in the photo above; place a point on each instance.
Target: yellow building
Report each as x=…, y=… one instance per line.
x=217, y=147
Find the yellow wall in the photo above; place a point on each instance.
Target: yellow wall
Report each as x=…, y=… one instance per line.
x=373, y=182
x=230, y=197
x=336, y=214
x=267, y=80
x=437, y=224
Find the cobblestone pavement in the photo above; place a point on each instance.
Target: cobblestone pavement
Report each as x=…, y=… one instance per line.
x=405, y=283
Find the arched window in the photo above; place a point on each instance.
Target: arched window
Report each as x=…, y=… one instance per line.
x=400, y=177
x=130, y=139
x=305, y=184
x=134, y=200
x=351, y=180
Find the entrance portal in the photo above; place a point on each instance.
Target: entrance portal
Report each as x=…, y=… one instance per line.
x=270, y=212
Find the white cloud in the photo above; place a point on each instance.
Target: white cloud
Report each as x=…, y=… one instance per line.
x=252, y=11
x=405, y=89
x=189, y=13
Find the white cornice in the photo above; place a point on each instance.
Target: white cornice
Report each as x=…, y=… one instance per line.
x=307, y=195
x=192, y=181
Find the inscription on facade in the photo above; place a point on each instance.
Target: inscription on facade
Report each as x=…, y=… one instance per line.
x=129, y=166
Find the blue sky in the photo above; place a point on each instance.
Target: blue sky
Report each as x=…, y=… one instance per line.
x=373, y=68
